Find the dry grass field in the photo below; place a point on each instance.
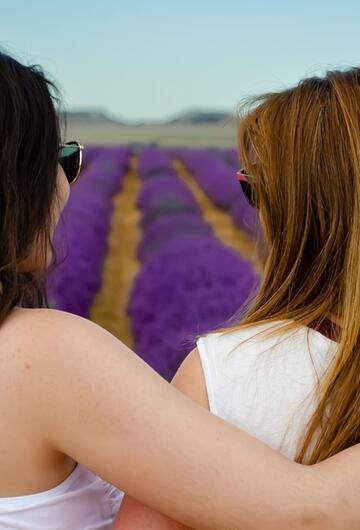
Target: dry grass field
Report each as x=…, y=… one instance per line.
x=171, y=135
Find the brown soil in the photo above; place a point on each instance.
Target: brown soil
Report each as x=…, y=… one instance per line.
x=121, y=264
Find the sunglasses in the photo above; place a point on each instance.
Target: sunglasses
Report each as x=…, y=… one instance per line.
x=70, y=159
x=247, y=187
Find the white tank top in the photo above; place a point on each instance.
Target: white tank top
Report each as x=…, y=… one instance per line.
x=265, y=384
x=82, y=502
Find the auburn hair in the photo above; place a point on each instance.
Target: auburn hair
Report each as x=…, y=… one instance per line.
x=302, y=149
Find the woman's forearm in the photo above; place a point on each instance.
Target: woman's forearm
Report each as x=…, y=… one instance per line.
x=339, y=490
x=250, y=487
x=254, y=487
x=122, y=421
x=227, y=480
x=317, y=513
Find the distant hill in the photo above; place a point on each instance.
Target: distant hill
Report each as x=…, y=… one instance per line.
x=90, y=117
x=196, y=117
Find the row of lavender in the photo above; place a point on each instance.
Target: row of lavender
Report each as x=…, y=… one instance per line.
x=215, y=172
x=190, y=283
x=81, y=236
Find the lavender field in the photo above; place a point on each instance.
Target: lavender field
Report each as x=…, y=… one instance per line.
x=157, y=246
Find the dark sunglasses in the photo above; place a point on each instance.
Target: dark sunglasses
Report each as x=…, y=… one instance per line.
x=247, y=187
x=70, y=159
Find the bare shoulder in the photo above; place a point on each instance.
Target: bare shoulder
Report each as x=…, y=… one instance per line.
x=48, y=343
x=40, y=329
x=63, y=367
x=190, y=379
x=26, y=321
x=48, y=321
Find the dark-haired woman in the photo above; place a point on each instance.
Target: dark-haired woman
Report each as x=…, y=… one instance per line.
x=83, y=417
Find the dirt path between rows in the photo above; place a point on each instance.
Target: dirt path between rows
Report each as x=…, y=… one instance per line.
x=121, y=264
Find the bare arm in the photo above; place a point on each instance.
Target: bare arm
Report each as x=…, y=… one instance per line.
x=134, y=515
x=100, y=404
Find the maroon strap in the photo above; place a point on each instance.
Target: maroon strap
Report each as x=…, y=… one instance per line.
x=328, y=328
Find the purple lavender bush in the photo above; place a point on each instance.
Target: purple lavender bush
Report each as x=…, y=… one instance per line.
x=165, y=195
x=160, y=232
x=217, y=178
x=231, y=157
x=109, y=152
x=214, y=176
x=81, y=235
x=104, y=167
x=189, y=287
x=90, y=152
x=153, y=162
x=177, y=153
x=152, y=188
x=81, y=249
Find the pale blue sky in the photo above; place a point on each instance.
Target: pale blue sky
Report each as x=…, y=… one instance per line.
x=153, y=58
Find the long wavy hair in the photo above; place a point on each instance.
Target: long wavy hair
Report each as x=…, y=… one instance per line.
x=29, y=143
x=302, y=150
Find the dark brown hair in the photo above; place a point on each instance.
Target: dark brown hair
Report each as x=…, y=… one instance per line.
x=29, y=142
